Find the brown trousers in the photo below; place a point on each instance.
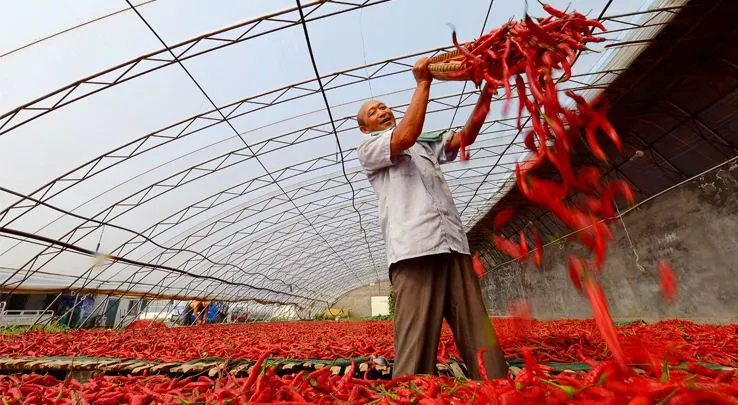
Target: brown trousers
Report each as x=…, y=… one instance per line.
x=427, y=290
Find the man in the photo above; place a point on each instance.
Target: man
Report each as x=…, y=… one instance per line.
x=431, y=269
x=199, y=311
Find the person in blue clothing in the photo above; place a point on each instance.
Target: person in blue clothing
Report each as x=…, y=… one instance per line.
x=430, y=266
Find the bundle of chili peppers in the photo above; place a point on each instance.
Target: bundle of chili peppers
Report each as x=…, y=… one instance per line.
x=603, y=383
x=531, y=50
x=529, y=54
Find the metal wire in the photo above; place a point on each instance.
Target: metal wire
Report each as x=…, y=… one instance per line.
x=230, y=125
x=111, y=225
x=79, y=249
x=463, y=89
x=335, y=133
x=64, y=31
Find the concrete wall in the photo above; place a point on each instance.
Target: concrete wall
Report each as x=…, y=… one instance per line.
x=695, y=226
x=358, y=301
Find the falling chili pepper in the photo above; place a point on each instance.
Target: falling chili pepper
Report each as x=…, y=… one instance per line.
x=478, y=265
x=538, y=253
x=503, y=217
x=576, y=271
x=604, y=321
x=668, y=280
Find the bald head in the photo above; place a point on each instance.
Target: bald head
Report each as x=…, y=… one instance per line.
x=374, y=116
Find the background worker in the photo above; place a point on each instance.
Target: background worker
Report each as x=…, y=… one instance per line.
x=430, y=264
x=199, y=311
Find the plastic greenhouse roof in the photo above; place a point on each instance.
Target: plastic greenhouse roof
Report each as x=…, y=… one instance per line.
x=211, y=168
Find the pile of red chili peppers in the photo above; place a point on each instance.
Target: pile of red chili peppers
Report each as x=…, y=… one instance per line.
x=563, y=341
x=635, y=364
x=664, y=361
x=603, y=384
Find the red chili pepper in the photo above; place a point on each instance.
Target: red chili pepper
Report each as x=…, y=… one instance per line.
x=576, y=270
x=668, y=280
x=591, y=135
x=619, y=187
x=530, y=143
x=480, y=364
x=695, y=397
x=554, y=12
x=590, y=38
x=478, y=265
x=503, y=217
x=522, y=98
x=506, y=69
x=507, y=246
x=524, y=251
x=604, y=320
x=462, y=147
x=538, y=253
x=255, y=371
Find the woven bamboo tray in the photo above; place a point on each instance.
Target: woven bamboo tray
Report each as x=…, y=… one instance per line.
x=446, y=66
x=208, y=366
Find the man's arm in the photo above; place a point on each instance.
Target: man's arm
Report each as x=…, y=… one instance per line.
x=411, y=125
x=474, y=123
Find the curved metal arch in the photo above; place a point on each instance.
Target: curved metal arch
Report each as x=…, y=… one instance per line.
x=212, y=270
x=312, y=268
x=80, y=250
x=265, y=146
x=346, y=245
x=444, y=107
x=137, y=234
x=462, y=170
x=108, y=266
x=156, y=60
x=120, y=249
x=264, y=200
x=348, y=214
x=208, y=119
x=304, y=246
x=209, y=228
x=190, y=286
x=319, y=266
x=203, y=167
x=331, y=222
x=299, y=247
x=228, y=242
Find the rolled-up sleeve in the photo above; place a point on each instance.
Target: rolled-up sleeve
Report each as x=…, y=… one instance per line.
x=374, y=152
x=441, y=154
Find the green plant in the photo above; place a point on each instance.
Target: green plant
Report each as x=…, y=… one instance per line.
x=391, y=303
x=377, y=318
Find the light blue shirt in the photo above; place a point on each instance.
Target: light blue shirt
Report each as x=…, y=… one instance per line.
x=417, y=213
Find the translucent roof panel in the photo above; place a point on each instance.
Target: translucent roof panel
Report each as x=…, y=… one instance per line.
x=191, y=142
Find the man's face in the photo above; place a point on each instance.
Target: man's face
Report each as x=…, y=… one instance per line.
x=375, y=116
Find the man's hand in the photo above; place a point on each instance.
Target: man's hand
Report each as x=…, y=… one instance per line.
x=409, y=128
x=421, y=72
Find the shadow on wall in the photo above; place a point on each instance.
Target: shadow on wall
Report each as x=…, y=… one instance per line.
x=694, y=225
